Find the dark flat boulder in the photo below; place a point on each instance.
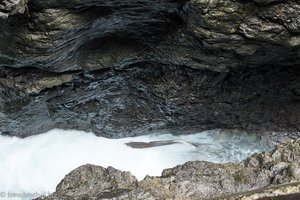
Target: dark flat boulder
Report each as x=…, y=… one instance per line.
x=142, y=145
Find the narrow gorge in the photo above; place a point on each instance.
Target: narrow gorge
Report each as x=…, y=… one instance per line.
x=181, y=77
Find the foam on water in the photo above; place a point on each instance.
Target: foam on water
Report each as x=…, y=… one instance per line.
x=38, y=163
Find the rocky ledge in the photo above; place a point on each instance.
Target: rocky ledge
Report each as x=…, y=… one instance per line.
x=123, y=67
x=269, y=174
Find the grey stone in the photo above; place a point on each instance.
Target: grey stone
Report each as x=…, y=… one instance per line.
x=94, y=182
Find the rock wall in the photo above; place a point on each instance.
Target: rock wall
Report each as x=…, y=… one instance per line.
x=122, y=68
x=219, y=35
x=148, y=97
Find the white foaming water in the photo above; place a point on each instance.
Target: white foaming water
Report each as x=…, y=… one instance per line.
x=38, y=163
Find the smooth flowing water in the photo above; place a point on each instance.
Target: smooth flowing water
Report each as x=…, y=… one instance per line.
x=35, y=165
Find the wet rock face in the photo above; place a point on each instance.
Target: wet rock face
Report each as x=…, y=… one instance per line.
x=242, y=33
x=122, y=68
x=218, y=35
x=144, y=98
x=74, y=35
x=196, y=180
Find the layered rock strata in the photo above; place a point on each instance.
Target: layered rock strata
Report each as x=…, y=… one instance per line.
x=121, y=68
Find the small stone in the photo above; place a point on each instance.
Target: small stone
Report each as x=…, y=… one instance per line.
x=295, y=170
x=279, y=167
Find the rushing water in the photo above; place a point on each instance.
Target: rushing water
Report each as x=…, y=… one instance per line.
x=38, y=163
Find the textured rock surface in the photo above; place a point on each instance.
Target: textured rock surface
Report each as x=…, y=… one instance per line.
x=75, y=35
x=90, y=181
x=122, y=68
x=13, y=7
x=283, y=192
x=193, y=180
x=146, y=97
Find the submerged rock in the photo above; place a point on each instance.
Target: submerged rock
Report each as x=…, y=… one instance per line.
x=192, y=180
